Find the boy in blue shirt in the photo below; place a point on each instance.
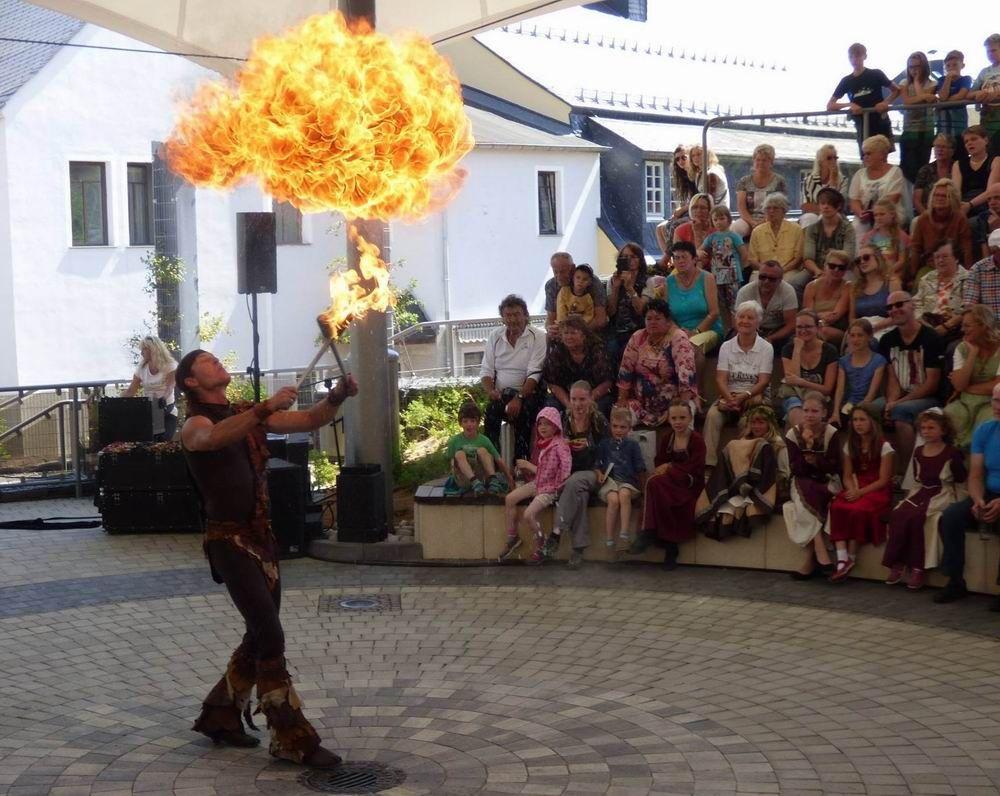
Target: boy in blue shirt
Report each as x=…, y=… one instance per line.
x=620, y=471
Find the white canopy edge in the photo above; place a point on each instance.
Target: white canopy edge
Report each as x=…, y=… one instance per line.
x=228, y=27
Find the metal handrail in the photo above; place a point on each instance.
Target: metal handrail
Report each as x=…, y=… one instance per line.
x=41, y=415
x=402, y=334
x=763, y=117
x=17, y=399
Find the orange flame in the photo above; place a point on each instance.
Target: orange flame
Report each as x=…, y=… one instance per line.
x=332, y=117
x=354, y=293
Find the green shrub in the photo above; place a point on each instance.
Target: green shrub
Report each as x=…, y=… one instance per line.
x=432, y=415
x=322, y=472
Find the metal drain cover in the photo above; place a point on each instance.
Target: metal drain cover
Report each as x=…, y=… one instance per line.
x=358, y=602
x=359, y=777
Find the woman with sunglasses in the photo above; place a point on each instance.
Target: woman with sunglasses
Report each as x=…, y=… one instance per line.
x=825, y=173
x=683, y=189
x=829, y=296
x=873, y=282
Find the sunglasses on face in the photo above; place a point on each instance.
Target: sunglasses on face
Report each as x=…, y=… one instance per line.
x=763, y=278
x=897, y=305
x=831, y=157
x=865, y=258
x=836, y=266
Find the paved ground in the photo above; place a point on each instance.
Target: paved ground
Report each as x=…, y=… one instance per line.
x=619, y=680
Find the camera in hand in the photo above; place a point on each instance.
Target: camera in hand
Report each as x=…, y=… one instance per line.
x=623, y=263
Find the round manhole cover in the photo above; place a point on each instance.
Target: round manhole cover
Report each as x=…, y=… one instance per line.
x=358, y=603
x=361, y=777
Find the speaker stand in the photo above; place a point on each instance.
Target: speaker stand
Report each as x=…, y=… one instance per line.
x=254, y=369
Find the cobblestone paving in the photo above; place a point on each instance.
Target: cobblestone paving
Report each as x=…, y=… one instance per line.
x=610, y=680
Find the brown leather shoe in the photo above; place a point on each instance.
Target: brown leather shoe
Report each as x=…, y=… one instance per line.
x=322, y=758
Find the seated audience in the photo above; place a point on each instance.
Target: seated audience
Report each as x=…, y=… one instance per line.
x=657, y=366
x=857, y=512
x=915, y=356
x=975, y=372
x=984, y=225
x=831, y=231
x=825, y=174
x=726, y=252
x=978, y=176
x=583, y=428
x=562, y=276
x=674, y=486
x=700, y=226
x=620, y=472
x=693, y=298
x=742, y=376
x=810, y=365
x=511, y=375
x=982, y=506
x=575, y=298
x=938, y=470
x=476, y=466
x=859, y=373
x=982, y=286
x=886, y=236
x=938, y=302
x=718, y=184
x=683, y=188
x=626, y=304
x=577, y=355
x=876, y=179
x=873, y=282
x=938, y=169
x=829, y=296
x=942, y=221
x=742, y=491
x=779, y=240
x=754, y=188
x=814, y=461
x=777, y=301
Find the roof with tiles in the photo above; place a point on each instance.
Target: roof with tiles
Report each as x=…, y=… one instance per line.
x=21, y=62
x=491, y=130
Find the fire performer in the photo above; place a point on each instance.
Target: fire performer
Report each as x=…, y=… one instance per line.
x=225, y=447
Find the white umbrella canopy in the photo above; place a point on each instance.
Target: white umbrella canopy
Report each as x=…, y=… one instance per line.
x=227, y=27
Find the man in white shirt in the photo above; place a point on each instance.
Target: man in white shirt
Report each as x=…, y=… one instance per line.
x=511, y=374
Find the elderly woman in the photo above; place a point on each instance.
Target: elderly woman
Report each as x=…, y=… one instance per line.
x=578, y=355
x=825, y=173
x=981, y=506
x=155, y=375
x=683, y=188
x=830, y=231
x=942, y=221
x=625, y=300
x=780, y=240
x=583, y=427
x=657, y=366
x=937, y=169
x=829, y=296
x=693, y=298
x=718, y=186
x=939, y=302
x=877, y=179
x=742, y=375
x=975, y=373
x=700, y=226
x=810, y=365
x=755, y=187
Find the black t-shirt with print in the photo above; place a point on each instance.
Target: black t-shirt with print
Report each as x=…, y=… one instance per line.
x=864, y=89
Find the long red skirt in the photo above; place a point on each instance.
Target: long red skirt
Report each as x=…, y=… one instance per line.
x=862, y=521
x=670, y=502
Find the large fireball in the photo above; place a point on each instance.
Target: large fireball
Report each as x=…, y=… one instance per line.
x=331, y=117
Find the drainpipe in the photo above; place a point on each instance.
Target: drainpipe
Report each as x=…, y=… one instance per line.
x=449, y=352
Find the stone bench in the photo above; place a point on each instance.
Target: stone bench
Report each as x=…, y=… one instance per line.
x=473, y=529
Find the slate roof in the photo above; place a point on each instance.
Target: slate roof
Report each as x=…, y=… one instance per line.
x=21, y=62
x=491, y=130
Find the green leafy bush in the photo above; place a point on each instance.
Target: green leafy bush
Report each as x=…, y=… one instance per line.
x=433, y=414
x=322, y=472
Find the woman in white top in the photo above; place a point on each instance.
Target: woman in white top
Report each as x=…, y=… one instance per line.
x=155, y=375
x=825, y=173
x=877, y=179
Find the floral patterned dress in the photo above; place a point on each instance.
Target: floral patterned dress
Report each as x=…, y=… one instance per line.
x=656, y=374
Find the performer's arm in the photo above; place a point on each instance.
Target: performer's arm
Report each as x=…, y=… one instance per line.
x=201, y=434
x=319, y=415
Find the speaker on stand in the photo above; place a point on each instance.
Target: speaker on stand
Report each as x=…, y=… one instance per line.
x=256, y=271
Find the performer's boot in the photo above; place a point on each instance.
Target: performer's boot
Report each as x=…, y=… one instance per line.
x=292, y=736
x=222, y=711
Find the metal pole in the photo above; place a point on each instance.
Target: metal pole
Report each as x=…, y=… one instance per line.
x=61, y=423
x=371, y=412
x=74, y=451
x=255, y=372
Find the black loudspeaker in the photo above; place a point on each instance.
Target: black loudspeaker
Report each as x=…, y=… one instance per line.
x=256, y=253
x=288, y=506
x=361, y=504
x=125, y=420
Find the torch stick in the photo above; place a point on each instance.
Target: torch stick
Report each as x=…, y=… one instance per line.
x=328, y=333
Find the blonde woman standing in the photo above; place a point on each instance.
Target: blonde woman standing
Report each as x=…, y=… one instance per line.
x=155, y=375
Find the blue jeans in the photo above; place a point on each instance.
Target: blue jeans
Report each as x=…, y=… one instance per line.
x=955, y=520
x=909, y=411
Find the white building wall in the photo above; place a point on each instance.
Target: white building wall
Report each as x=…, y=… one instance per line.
x=489, y=233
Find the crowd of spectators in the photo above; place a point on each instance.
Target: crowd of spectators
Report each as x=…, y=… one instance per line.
x=856, y=351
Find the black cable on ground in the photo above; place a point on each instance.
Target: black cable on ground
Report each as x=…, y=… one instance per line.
x=51, y=524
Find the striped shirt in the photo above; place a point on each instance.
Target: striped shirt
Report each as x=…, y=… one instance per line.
x=983, y=285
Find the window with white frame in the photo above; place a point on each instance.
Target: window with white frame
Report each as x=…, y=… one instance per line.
x=654, y=189
x=287, y=223
x=88, y=198
x=471, y=360
x=140, y=204
x=548, y=206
